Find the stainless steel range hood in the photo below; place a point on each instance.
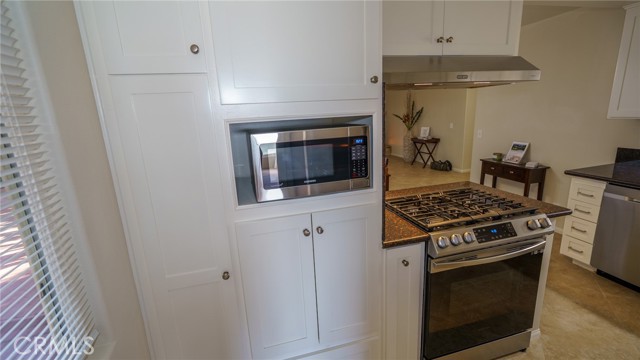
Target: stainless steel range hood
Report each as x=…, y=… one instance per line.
x=438, y=72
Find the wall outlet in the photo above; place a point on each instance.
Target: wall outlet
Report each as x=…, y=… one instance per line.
x=450, y=125
x=479, y=133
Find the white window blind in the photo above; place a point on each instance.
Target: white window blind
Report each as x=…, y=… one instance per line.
x=44, y=311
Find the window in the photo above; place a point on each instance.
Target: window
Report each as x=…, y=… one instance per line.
x=44, y=311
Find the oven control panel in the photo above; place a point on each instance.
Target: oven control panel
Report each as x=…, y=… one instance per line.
x=465, y=239
x=494, y=232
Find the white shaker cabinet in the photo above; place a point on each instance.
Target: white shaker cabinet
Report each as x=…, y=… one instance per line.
x=169, y=186
x=451, y=27
x=286, y=51
x=625, y=94
x=311, y=281
x=139, y=37
x=404, y=276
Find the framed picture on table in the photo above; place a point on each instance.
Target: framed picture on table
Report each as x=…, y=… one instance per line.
x=516, y=153
x=424, y=132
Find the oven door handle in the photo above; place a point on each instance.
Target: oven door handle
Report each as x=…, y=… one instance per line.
x=437, y=266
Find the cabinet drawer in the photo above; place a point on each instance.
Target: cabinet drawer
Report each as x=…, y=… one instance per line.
x=491, y=168
x=587, y=192
x=579, y=229
x=576, y=249
x=584, y=210
x=513, y=173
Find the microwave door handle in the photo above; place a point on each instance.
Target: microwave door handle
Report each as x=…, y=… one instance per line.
x=437, y=266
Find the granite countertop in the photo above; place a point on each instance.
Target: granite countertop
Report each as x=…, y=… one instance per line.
x=622, y=173
x=399, y=232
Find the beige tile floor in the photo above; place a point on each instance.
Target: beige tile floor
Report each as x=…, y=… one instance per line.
x=584, y=316
x=404, y=175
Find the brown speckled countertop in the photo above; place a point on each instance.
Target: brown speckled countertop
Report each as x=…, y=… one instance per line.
x=398, y=231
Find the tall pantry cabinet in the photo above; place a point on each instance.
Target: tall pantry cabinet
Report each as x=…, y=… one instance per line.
x=168, y=76
x=152, y=86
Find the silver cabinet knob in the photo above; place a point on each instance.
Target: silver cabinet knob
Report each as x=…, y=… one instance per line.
x=405, y=262
x=306, y=232
x=225, y=275
x=194, y=48
x=450, y=39
x=440, y=39
x=319, y=230
x=374, y=79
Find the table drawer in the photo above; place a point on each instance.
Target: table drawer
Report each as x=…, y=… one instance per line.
x=576, y=249
x=587, y=192
x=513, y=173
x=491, y=168
x=584, y=210
x=579, y=229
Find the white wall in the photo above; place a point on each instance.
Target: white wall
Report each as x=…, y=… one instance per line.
x=57, y=38
x=442, y=109
x=564, y=115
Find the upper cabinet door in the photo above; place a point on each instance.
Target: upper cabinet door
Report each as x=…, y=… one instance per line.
x=451, y=27
x=412, y=27
x=625, y=94
x=297, y=51
x=144, y=37
x=482, y=27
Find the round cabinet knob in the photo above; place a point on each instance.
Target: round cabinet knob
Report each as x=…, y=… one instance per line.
x=456, y=239
x=533, y=224
x=468, y=237
x=319, y=230
x=440, y=39
x=225, y=275
x=405, y=262
x=195, y=49
x=450, y=39
x=306, y=232
x=443, y=242
x=544, y=222
x=374, y=79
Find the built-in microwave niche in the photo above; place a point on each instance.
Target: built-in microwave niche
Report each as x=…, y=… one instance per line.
x=241, y=147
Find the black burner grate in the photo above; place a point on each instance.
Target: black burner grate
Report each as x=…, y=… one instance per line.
x=458, y=207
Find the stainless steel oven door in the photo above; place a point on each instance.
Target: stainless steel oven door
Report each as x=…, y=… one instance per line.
x=479, y=297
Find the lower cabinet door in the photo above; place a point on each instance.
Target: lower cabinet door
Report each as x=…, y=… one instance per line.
x=404, y=273
x=276, y=264
x=168, y=183
x=348, y=273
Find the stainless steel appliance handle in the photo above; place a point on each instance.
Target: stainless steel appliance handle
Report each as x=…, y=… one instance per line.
x=439, y=266
x=620, y=197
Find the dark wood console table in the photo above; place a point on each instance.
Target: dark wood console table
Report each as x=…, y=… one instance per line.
x=424, y=143
x=514, y=172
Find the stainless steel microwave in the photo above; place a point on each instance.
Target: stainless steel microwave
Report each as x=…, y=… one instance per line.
x=301, y=163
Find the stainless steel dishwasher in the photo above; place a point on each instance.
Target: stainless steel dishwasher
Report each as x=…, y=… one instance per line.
x=616, y=247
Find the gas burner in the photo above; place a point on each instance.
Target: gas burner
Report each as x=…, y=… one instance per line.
x=454, y=208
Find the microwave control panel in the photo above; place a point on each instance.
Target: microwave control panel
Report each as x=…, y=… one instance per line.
x=359, y=158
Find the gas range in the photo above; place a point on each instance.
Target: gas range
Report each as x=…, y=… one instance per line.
x=465, y=219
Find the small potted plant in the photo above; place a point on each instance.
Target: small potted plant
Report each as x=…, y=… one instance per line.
x=409, y=119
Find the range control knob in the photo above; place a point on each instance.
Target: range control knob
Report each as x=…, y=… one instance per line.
x=533, y=224
x=468, y=237
x=456, y=239
x=544, y=222
x=443, y=242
